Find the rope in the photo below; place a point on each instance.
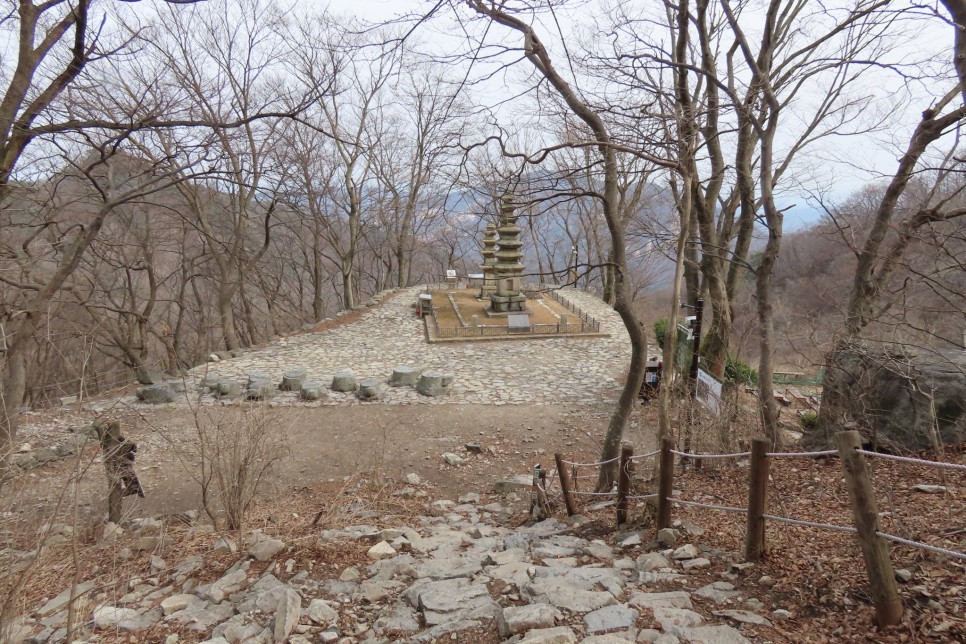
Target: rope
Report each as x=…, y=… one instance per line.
x=648, y=455
x=616, y=458
x=827, y=452
x=809, y=524
x=909, y=459
x=700, y=456
x=644, y=496
x=721, y=508
x=923, y=546
x=594, y=493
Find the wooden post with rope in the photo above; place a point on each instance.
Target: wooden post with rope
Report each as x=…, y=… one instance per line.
x=757, y=499
x=624, y=482
x=875, y=550
x=665, y=483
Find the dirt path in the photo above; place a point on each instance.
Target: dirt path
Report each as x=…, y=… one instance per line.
x=332, y=443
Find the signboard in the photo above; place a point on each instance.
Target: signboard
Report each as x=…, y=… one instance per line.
x=708, y=392
x=518, y=322
x=450, y=273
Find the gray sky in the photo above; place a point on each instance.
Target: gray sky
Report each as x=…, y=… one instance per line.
x=839, y=166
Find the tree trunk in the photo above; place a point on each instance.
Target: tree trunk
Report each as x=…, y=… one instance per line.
x=226, y=313
x=13, y=388
x=540, y=58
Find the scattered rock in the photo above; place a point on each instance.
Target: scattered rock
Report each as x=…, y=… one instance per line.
x=781, y=615
x=155, y=394
x=929, y=489
x=287, y=615
x=381, y=550
x=265, y=548
x=687, y=551
x=320, y=612
x=668, y=536
x=453, y=459
x=112, y=616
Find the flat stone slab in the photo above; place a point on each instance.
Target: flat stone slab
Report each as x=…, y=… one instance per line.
x=710, y=635
x=675, y=599
x=743, y=616
x=520, y=619
x=563, y=594
x=718, y=592
x=610, y=618
x=671, y=618
x=558, y=635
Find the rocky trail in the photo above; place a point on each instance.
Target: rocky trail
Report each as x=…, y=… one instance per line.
x=462, y=575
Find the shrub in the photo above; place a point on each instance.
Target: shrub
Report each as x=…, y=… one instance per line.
x=238, y=449
x=810, y=419
x=660, y=328
x=740, y=372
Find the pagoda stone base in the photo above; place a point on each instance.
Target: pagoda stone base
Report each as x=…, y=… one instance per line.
x=507, y=304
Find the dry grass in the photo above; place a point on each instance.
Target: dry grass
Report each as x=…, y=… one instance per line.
x=470, y=306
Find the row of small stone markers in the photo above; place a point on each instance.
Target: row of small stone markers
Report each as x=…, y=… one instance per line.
x=261, y=387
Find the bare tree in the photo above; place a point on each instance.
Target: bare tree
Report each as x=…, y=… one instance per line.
x=539, y=57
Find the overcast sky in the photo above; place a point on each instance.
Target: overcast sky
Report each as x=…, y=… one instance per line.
x=846, y=164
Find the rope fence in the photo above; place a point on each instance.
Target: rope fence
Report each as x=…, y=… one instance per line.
x=699, y=456
x=719, y=508
x=917, y=461
x=858, y=480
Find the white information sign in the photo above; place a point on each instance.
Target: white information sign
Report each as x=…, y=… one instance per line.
x=709, y=392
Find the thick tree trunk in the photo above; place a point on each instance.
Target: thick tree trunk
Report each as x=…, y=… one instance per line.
x=226, y=314
x=13, y=388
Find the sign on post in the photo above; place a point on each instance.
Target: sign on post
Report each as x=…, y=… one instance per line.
x=708, y=392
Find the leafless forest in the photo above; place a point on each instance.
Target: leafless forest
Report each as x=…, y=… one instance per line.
x=183, y=178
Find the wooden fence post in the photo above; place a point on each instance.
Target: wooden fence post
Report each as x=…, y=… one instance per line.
x=624, y=482
x=757, y=499
x=665, y=483
x=565, y=485
x=875, y=551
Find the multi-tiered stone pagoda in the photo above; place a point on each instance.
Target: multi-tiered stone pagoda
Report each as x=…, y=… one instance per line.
x=508, y=297
x=489, y=261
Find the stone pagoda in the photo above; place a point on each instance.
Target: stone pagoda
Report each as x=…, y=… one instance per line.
x=489, y=261
x=508, y=297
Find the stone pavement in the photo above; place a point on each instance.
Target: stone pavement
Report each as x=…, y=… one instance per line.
x=457, y=576
x=539, y=371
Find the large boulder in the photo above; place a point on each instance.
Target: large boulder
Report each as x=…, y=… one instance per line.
x=155, y=394
x=902, y=400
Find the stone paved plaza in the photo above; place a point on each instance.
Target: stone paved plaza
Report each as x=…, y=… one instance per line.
x=538, y=371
